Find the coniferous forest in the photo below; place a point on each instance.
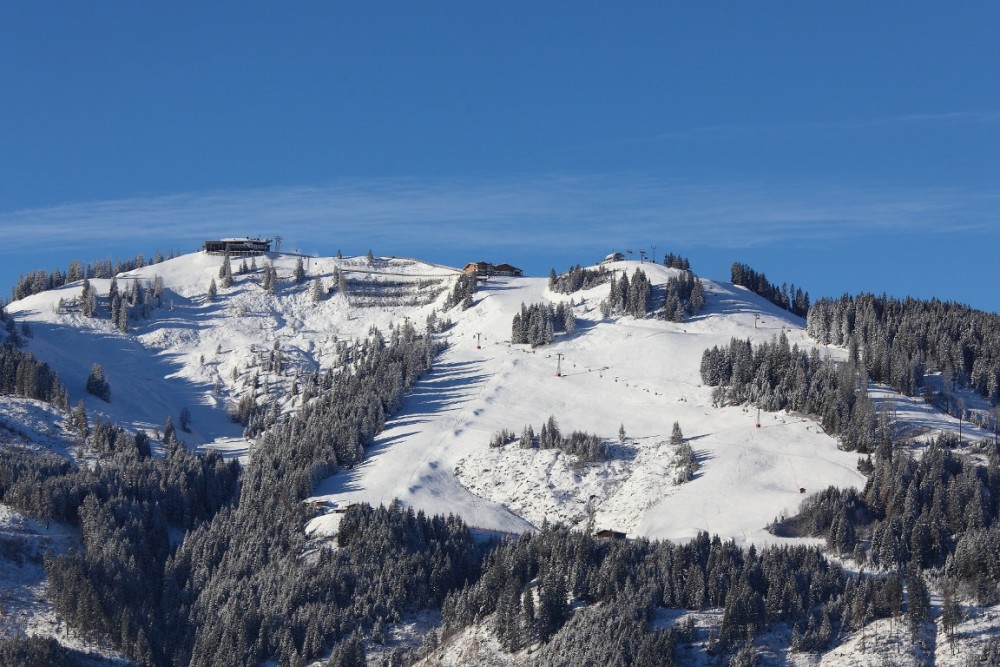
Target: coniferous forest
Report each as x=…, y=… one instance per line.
x=899, y=340
x=792, y=299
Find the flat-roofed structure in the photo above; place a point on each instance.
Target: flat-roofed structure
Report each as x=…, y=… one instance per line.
x=238, y=247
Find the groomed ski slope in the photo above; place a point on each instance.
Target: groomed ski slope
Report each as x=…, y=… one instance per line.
x=642, y=374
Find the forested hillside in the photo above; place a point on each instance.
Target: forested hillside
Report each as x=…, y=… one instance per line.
x=395, y=493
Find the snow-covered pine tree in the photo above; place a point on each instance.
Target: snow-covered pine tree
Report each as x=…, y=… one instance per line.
x=676, y=435
x=97, y=384
x=316, y=293
x=226, y=272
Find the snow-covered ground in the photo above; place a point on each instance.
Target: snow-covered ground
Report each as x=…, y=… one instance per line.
x=175, y=358
x=34, y=425
x=549, y=485
x=642, y=374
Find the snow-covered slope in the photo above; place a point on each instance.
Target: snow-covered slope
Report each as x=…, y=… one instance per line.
x=641, y=374
x=34, y=425
x=191, y=345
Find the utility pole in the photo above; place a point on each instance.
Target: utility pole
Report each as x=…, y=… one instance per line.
x=758, y=417
x=629, y=254
x=478, y=346
x=642, y=256
x=559, y=365
x=654, y=254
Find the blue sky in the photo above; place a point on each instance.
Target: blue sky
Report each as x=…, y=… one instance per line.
x=844, y=147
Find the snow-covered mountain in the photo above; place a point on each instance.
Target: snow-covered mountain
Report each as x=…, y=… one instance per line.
x=201, y=355
x=434, y=455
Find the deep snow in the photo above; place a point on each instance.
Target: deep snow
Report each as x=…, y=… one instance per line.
x=642, y=374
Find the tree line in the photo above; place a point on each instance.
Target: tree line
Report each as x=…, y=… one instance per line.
x=684, y=297
x=672, y=261
x=40, y=280
x=461, y=294
x=528, y=583
x=577, y=278
x=629, y=296
x=776, y=376
x=536, y=324
x=900, y=340
x=792, y=299
x=936, y=511
x=21, y=374
x=587, y=447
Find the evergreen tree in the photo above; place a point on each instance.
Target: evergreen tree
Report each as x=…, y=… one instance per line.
x=676, y=436
x=316, y=293
x=299, y=274
x=88, y=299
x=169, y=432
x=569, y=320
x=122, y=317
x=212, y=291
x=697, y=301
x=97, y=384
x=78, y=420
x=226, y=272
x=269, y=281
x=919, y=605
x=951, y=612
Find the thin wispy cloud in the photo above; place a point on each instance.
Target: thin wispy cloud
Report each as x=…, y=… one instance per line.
x=748, y=131
x=398, y=216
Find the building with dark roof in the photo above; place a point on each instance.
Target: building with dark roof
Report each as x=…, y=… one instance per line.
x=238, y=247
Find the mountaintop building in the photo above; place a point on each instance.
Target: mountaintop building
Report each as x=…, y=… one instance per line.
x=485, y=270
x=238, y=247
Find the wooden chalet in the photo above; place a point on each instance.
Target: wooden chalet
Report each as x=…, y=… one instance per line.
x=485, y=270
x=507, y=270
x=238, y=247
x=608, y=534
x=481, y=269
x=613, y=257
